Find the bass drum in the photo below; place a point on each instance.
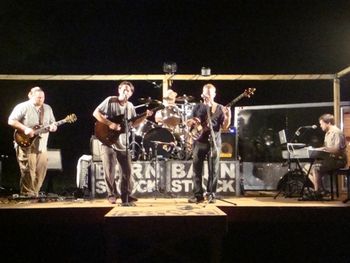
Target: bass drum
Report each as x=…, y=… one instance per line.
x=164, y=139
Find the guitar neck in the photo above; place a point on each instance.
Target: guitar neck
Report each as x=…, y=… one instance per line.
x=46, y=128
x=143, y=114
x=235, y=100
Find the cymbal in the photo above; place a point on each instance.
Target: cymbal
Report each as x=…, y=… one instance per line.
x=184, y=98
x=155, y=102
x=144, y=100
x=149, y=101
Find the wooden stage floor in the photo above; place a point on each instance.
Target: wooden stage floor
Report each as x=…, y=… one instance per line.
x=264, y=200
x=241, y=229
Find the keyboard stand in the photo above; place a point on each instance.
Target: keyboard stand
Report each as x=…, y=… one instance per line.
x=294, y=179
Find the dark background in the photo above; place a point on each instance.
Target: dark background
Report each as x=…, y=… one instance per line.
x=136, y=37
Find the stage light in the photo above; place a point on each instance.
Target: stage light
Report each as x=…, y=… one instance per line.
x=232, y=130
x=205, y=71
x=169, y=67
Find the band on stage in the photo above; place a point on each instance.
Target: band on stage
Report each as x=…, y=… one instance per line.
x=184, y=128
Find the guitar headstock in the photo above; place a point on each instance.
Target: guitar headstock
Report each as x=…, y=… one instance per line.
x=249, y=92
x=71, y=118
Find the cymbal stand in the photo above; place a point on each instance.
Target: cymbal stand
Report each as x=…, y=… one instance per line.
x=185, y=128
x=156, y=166
x=133, y=144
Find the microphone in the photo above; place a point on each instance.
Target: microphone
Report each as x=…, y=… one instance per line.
x=297, y=133
x=157, y=86
x=310, y=127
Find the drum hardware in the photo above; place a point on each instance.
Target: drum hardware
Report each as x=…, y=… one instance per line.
x=173, y=138
x=132, y=146
x=163, y=135
x=144, y=127
x=155, y=160
x=148, y=101
x=171, y=116
x=184, y=98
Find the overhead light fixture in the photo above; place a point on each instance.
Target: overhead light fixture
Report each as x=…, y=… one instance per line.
x=169, y=67
x=205, y=71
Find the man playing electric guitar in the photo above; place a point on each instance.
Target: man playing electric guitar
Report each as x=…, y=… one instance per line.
x=213, y=117
x=115, y=151
x=32, y=160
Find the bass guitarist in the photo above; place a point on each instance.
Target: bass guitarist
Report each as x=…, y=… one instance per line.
x=114, y=144
x=207, y=119
x=33, y=159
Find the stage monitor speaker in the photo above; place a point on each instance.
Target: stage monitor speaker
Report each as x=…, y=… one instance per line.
x=227, y=146
x=54, y=159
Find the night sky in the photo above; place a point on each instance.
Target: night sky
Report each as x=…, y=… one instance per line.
x=136, y=37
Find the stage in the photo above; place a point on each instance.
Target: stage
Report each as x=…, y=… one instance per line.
x=243, y=229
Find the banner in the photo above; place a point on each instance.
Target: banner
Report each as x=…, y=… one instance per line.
x=168, y=177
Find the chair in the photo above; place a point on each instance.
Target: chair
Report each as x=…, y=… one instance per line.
x=335, y=174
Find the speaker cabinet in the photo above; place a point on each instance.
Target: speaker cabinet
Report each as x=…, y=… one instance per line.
x=227, y=146
x=54, y=159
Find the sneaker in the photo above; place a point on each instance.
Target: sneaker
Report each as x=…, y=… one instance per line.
x=112, y=200
x=196, y=199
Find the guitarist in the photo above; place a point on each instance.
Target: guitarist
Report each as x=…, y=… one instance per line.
x=109, y=109
x=211, y=117
x=32, y=160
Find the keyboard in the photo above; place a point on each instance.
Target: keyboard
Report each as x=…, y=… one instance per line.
x=304, y=153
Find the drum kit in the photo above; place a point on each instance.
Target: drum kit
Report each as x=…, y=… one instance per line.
x=170, y=139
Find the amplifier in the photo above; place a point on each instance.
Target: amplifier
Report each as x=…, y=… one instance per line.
x=228, y=146
x=54, y=159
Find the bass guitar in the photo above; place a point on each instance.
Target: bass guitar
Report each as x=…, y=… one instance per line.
x=198, y=129
x=111, y=137
x=24, y=140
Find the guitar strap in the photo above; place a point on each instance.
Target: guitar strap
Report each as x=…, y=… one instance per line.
x=41, y=115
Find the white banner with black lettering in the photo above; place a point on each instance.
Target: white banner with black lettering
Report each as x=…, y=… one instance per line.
x=169, y=177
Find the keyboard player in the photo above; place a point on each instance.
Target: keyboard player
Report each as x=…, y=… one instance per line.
x=335, y=145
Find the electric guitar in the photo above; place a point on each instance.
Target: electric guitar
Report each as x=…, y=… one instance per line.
x=24, y=140
x=198, y=129
x=111, y=137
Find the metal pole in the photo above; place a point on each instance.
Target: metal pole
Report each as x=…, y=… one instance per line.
x=336, y=98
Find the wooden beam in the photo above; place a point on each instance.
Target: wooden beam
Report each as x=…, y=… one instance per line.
x=168, y=77
x=343, y=72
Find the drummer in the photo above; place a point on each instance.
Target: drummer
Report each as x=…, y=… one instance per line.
x=169, y=117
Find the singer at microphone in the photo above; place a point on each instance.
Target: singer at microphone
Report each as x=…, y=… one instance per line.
x=305, y=127
x=114, y=150
x=206, y=99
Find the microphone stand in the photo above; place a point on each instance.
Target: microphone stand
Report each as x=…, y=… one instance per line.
x=126, y=124
x=213, y=150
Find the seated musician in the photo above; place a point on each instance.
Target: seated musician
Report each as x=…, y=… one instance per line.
x=169, y=117
x=335, y=144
